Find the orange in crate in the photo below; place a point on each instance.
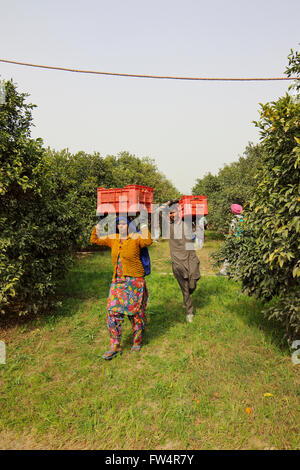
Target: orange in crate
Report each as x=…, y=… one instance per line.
x=130, y=199
x=193, y=205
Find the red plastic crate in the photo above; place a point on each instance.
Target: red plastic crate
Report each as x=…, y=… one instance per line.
x=193, y=205
x=129, y=199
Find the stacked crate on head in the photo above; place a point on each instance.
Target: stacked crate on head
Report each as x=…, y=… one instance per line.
x=139, y=198
x=193, y=206
x=128, y=200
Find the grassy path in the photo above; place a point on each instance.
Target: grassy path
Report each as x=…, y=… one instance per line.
x=193, y=386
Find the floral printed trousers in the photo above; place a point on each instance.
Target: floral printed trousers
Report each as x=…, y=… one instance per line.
x=128, y=296
x=114, y=325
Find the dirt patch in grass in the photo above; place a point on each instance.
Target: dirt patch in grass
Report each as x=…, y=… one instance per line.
x=170, y=445
x=9, y=441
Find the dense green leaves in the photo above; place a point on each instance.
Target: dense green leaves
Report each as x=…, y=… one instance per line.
x=234, y=184
x=266, y=258
x=292, y=70
x=36, y=227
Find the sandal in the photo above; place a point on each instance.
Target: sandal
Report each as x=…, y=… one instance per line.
x=108, y=355
x=136, y=348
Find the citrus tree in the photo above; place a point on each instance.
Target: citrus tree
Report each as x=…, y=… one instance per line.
x=37, y=227
x=266, y=257
x=233, y=184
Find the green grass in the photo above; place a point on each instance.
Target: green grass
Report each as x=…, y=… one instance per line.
x=188, y=388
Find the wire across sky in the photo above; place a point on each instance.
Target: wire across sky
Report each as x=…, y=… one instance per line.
x=157, y=77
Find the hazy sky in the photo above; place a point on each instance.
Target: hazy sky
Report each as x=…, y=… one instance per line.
x=190, y=128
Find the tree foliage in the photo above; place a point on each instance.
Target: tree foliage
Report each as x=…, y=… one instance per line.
x=233, y=184
x=293, y=69
x=266, y=258
x=36, y=227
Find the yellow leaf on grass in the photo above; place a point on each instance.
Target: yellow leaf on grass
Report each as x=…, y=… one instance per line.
x=268, y=395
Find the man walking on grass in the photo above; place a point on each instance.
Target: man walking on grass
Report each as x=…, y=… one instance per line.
x=185, y=263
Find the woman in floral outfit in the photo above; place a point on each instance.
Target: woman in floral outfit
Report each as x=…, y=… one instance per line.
x=128, y=293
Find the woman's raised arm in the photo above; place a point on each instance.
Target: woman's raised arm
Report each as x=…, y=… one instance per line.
x=102, y=241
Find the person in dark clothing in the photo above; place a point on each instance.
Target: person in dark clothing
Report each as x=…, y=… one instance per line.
x=185, y=263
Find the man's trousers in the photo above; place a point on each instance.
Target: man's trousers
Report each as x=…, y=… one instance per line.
x=187, y=285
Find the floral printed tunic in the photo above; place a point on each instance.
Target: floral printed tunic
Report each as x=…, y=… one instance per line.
x=127, y=295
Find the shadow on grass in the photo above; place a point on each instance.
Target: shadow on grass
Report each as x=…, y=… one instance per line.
x=84, y=284
x=212, y=235
x=76, y=287
x=81, y=286
x=248, y=309
x=161, y=321
x=251, y=311
x=162, y=316
x=207, y=287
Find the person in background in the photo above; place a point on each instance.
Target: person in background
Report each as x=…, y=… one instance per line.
x=128, y=295
x=185, y=263
x=235, y=229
